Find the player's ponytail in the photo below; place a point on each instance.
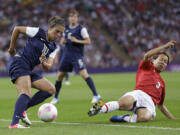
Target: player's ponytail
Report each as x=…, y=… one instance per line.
x=56, y=20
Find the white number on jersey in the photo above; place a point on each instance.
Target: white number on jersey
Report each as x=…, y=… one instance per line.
x=80, y=62
x=158, y=85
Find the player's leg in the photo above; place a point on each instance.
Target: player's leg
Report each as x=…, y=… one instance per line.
x=125, y=103
x=144, y=115
x=67, y=82
x=46, y=89
x=91, y=85
x=23, y=85
x=58, y=86
x=141, y=115
x=143, y=109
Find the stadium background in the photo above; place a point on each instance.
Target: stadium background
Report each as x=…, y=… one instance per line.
x=121, y=32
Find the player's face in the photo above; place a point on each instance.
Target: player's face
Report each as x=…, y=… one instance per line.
x=73, y=19
x=55, y=32
x=160, y=62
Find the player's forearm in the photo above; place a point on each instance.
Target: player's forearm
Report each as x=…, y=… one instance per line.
x=83, y=41
x=158, y=49
x=14, y=37
x=15, y=34
x=46, y=66
x=155, y=51
x=165, y=111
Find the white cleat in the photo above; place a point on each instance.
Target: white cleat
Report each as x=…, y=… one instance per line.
x=25, y=119
x=67, y=83
x=54, y=101
x=17, y=126
x=96, y=99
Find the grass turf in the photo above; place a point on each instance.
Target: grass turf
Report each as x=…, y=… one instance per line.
x=75, y=102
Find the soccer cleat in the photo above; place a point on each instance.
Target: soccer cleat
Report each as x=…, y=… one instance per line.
x=118, y=118
x=54, y=101
x=96, y=99
x=96, y=108
x=17, y=126
x=67, y=83
x=25, y=119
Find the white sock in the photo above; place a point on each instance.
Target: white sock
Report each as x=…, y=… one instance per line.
x=131, y=119
x=109, y=107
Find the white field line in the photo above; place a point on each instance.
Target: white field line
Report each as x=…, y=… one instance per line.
x=105, y=125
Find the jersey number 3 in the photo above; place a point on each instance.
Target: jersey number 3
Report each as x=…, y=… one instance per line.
x=158, y=85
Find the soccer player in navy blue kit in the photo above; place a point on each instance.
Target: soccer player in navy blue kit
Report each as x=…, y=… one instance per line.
x=74, y=37
x=39, y=49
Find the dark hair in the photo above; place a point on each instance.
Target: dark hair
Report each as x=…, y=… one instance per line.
x=56, y=20
x=73, y=12
x=165, y=53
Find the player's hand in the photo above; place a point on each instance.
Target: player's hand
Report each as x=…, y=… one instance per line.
x=171, y=44
x=42, y=58
x=73, y=39
x=12, y=51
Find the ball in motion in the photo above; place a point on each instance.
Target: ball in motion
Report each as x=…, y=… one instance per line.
x=47, y=112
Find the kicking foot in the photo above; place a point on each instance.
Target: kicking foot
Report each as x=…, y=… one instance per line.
x=54, y=101
x=96, y=108
x=118, y=118
x=96, y=99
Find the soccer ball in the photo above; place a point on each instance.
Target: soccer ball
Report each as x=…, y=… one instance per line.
x=47, y=112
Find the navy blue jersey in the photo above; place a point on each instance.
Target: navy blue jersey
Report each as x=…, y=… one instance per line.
x=71, y=47
x=35, y=47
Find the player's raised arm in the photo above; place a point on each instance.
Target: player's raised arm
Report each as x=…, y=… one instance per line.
x=30, y=31
x=165, y=111
x=158, y=49
x=15, y=34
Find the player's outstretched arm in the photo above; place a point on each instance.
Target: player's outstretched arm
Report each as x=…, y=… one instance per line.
x=165, y=111
x=15, y=34
x=158, y=49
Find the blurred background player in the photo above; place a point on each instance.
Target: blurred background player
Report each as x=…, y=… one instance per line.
x=149, y=91
x=59, y=56
x=74, y=37
x=39, y=49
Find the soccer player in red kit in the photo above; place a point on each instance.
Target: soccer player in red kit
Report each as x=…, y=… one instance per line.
x=149, y=91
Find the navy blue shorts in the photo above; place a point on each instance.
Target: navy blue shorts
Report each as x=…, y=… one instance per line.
x=67, y=64
x=17, y=67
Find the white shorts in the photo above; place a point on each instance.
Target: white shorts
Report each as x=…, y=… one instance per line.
x=143, y=100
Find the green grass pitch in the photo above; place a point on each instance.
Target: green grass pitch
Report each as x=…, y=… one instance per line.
x=75, y=102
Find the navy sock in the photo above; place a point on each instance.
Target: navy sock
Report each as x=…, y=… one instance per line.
x=58, y=87
x=38, y=98
x=91, y=85
x=67, y=77
x=20, y=106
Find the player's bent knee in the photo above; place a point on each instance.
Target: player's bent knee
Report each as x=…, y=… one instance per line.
x=52, y=90
x=144, y=118
x=126, y=103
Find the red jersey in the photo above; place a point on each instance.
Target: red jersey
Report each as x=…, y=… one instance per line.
x=150, y=81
